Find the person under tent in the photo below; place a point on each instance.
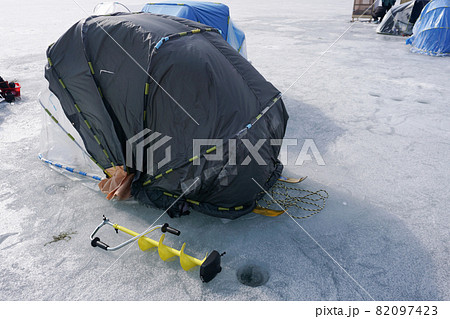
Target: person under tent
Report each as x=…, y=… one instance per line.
x=380, y=9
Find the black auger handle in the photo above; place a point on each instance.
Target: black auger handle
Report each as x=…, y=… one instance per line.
x=96, y=242
x=167, y=228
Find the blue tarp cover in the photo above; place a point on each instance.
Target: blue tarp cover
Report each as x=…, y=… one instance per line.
x=216, y=15
x=431, y=33
x=212, y=14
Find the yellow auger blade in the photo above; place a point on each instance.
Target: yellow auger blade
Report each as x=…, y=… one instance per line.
x=209, y=266
x=187, y=262
x=146, y=243
x=166, y=252
x=291, y=180
x=267, y=212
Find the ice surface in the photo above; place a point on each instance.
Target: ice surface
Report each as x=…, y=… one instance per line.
x=378, y=114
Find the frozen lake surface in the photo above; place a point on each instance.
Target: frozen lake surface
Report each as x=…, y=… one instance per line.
x=378, y=114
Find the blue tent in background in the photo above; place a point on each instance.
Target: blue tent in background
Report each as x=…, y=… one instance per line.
x=216, y=15
x=431, y=33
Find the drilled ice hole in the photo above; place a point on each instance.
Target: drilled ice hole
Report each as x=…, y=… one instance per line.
x=252, y=275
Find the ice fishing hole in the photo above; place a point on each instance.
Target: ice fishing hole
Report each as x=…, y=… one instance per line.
x=252, y=275
x=57, y=188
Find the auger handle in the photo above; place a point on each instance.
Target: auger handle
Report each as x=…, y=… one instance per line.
x=96, y=242
x=167, y=228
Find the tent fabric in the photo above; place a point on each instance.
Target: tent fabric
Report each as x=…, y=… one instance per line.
x=431, y=33
x=213, y=14
x=396, y=20
x=55, y=135
x=401, y=18
x=109, y=7
x=120, y=75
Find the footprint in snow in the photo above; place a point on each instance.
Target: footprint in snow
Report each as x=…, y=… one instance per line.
x=57, y=188
x=4, y=236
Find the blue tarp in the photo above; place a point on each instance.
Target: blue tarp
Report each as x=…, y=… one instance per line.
x=431, y=33
x=216, y=15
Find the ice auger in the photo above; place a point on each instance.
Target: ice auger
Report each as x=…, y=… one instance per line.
x=209, y=266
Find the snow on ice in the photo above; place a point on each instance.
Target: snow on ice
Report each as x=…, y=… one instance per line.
x=378, y=114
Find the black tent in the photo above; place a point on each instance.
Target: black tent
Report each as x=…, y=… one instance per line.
x=139, y=88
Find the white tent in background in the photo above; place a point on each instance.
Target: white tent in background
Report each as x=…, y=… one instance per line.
x=110, y=7
x=400, y=19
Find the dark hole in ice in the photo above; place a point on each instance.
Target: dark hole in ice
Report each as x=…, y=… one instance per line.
x=252, y=275
x=57, y=188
